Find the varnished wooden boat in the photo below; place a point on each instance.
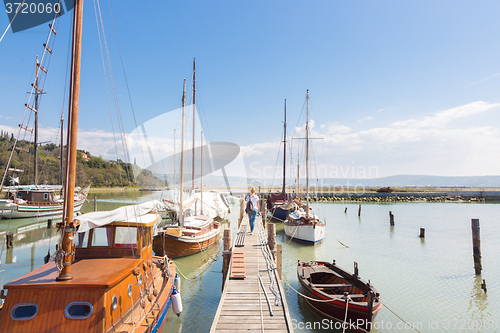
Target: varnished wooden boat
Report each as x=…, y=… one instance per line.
x=198, y=234
x=336, y=290
x=117, y=284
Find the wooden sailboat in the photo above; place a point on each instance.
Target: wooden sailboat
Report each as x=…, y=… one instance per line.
x=278, y=204
x=339, y=295
x=192, y=234
x=36, y=201
x=302, y=224
x=103, y=279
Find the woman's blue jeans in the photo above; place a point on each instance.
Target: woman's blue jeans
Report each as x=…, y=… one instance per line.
x=251, y=219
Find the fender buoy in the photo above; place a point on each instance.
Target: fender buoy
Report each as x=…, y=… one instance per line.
x=176, y=302
x=177, y=283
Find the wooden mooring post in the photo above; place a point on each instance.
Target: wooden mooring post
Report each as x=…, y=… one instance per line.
x=271, y=239
x=391, y=218
x=95, y=203
x=422, y=233
x=226, y=255
x=9, y=239
x=264, y=214
x=279, y=259
x=345, y=210
x=49, y=223
x=476, y=246
x=359, y=211
x=242, y=212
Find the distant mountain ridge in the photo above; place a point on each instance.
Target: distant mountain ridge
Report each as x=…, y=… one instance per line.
x=393, y=181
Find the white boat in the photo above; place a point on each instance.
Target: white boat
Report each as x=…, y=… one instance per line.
x=38, y=202
x=214, y=204
x=301, y=224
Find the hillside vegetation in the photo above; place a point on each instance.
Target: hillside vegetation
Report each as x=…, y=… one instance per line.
x=89, y=169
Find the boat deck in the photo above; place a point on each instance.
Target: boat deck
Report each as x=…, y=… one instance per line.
x=243, y=305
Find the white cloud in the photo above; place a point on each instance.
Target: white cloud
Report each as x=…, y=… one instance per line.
x=365, y=119
x=426, y=145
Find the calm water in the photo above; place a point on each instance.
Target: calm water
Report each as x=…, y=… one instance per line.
x=429, y=283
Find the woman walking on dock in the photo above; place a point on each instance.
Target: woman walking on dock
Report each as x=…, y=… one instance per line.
x=254, y=205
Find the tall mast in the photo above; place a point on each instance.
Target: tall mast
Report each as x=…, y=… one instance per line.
x=284, y=155
x=194, y=116
x=35, y=157
x=68, y=226
x=298, y=180
x=307, y=155
x=201, y=173
x=61, y=174
x=175, y=166
x=181, y=208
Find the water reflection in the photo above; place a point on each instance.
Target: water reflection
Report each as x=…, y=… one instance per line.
x=479, y=308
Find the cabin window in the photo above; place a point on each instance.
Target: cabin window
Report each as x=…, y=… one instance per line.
x=146, y=241
x=82, y=239
x=24, y=311
x=101, y=236
x=126, y=237
x=78, y=310
x=45, y=196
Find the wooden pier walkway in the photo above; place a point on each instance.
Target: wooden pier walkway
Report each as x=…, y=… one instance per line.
x=243, y=305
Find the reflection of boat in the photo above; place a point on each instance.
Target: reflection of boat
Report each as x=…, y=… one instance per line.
x=341, y=296
x=105, y=278
x=192, y=234
x=302, y=224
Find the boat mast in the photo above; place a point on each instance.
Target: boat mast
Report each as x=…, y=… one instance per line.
x=61, y=175
x=35, y=157
x=181, y=208
x=194, y=116
x=67, y=223
x=307, y=155
x=298, y=180
x=175, y=166
x=284, y=155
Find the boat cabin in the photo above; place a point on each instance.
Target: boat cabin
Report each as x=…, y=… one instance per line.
x=112, y=274
x=33, y=195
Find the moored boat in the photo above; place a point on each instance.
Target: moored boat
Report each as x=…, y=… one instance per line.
x=339, y=295
x=197, y=234
x=301, y=224
x=116, y=283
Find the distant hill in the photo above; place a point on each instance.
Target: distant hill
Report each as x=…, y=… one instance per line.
x=393, y=181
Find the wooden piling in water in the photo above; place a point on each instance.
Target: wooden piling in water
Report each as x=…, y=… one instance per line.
x=264, y=215
x=271, y=239
x=226, y=255
x=49, y=223
x=391, y=218
x=95, y=203
x=345, y=210
x=9, y=239
x=279, y=259
x=359, y=211
x=422, y=233
x=476, y=246
x=356, y=269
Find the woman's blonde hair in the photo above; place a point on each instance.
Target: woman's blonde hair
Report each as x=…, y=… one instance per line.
x=252, y=190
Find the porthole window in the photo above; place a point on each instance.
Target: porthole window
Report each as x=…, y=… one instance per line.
x=45, y=196
x=24, y=311
x=78, y=310
x=114, y=303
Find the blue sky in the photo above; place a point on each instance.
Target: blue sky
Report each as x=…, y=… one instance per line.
x=401, y=87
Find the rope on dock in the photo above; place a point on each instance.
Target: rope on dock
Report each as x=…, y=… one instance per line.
x=269, y=263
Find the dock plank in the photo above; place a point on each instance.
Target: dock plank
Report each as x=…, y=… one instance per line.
x=243, y=305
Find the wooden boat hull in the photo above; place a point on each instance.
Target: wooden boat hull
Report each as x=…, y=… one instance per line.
x=279, y=214
x=311, y=233
x=26, y=211
x=175, y=246
x=359, y=314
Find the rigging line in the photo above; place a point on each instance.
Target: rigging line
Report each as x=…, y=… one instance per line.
x=126, y=81
x=10, y=23
x=109, y=100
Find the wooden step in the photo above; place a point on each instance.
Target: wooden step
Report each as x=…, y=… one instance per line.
x=240, y=237
x=238, y=269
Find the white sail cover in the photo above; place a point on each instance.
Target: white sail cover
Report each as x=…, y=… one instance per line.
x=133, y=213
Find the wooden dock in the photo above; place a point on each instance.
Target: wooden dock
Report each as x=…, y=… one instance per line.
x=243, y=305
